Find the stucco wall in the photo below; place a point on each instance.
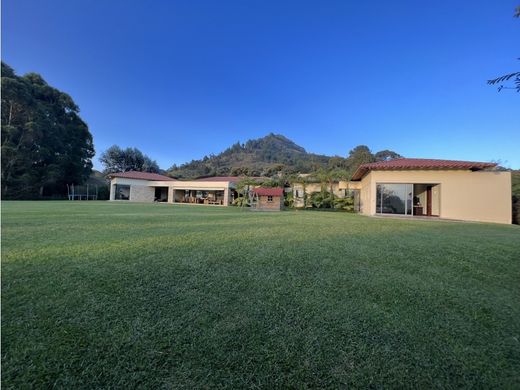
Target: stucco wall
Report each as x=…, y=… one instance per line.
x=144, y=190
x=365, y=196
x=472, y=196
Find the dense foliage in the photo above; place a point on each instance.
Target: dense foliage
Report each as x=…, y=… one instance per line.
x=45, y=144
x=273, y=155
x=116, y=159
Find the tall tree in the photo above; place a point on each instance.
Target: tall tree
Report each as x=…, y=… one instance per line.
x=45, y=143
x=386, y=155
x=116, y=159
x=361, y=154
x=514, y=76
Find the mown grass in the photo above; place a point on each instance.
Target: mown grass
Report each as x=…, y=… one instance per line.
x=115, y=295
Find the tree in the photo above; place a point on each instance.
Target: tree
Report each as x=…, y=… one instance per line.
x=386, y=155
x=45, y=144
x=115, y=159
x=328, y=178
x=297, y=179
x=243, y=187
x=515, y=76
x=361, y=154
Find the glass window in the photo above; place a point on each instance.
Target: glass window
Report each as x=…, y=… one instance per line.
x=122, y=192
x=269, y=198
x=394, y=198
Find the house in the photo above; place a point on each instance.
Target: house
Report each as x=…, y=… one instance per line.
x=149, y=187
x=340, y=189
x=268, y=199
x=462, y=190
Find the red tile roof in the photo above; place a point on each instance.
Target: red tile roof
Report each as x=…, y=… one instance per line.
x=220, y=178
x=277, y=191
x=141, y=176
x=233, y=179
x=419, y=164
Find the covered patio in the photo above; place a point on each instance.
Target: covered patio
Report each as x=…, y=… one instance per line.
x=209, y=197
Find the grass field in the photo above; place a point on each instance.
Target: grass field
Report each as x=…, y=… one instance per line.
x=115, y=295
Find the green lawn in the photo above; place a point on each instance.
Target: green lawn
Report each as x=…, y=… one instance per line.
x=99, y=294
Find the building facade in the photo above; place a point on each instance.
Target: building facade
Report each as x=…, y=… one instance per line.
x=460, y=190
x=268, y=199
x=151, y=187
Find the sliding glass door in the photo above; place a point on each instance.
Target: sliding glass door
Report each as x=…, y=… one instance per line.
x=394, y=199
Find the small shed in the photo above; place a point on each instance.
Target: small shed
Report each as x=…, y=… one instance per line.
x=268, y=199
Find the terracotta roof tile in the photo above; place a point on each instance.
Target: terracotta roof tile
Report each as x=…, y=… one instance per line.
x=220, y=178
x=419, y=164
x=277, y=191
x=141, y=176
x=233, y=179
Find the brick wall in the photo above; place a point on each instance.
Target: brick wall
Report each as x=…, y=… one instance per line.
x=275, y=205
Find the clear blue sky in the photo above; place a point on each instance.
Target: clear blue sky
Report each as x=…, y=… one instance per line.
x=181, y=79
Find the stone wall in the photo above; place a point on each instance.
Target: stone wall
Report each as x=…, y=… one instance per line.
x=141, y=193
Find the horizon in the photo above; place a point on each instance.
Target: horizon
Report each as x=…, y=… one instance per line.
x=182, y=81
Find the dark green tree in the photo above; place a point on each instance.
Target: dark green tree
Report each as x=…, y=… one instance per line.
x=361, y=154
x=116, y=159
x=45, y=143
x=386, y=155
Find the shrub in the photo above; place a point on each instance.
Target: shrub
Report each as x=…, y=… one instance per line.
x=289, y=200
x=241, y=201
x=346, y=203
x=103, y=192
x=321, y=200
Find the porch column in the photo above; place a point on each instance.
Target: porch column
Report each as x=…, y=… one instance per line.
x=226, y=196
x=171, y=194
x=112, y=191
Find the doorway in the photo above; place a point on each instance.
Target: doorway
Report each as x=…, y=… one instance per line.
x=429, y=201
x=161, y=194
x=426, y=200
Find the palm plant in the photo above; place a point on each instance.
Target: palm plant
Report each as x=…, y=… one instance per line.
x=301, y=180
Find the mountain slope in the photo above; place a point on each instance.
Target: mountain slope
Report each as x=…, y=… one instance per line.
x=262, y=156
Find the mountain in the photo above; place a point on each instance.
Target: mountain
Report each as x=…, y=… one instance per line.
x=259, y=157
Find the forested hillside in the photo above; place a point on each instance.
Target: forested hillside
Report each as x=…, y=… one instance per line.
x=263, y=156
x=272, y=154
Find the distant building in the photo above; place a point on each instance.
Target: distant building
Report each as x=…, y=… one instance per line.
x=267, y=199
x=149, y=187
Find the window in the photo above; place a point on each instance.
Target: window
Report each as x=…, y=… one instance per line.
x=394, y=198
x=269, y=198
x=122, y=192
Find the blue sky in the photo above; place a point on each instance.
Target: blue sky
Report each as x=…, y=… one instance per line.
x=181, y=79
